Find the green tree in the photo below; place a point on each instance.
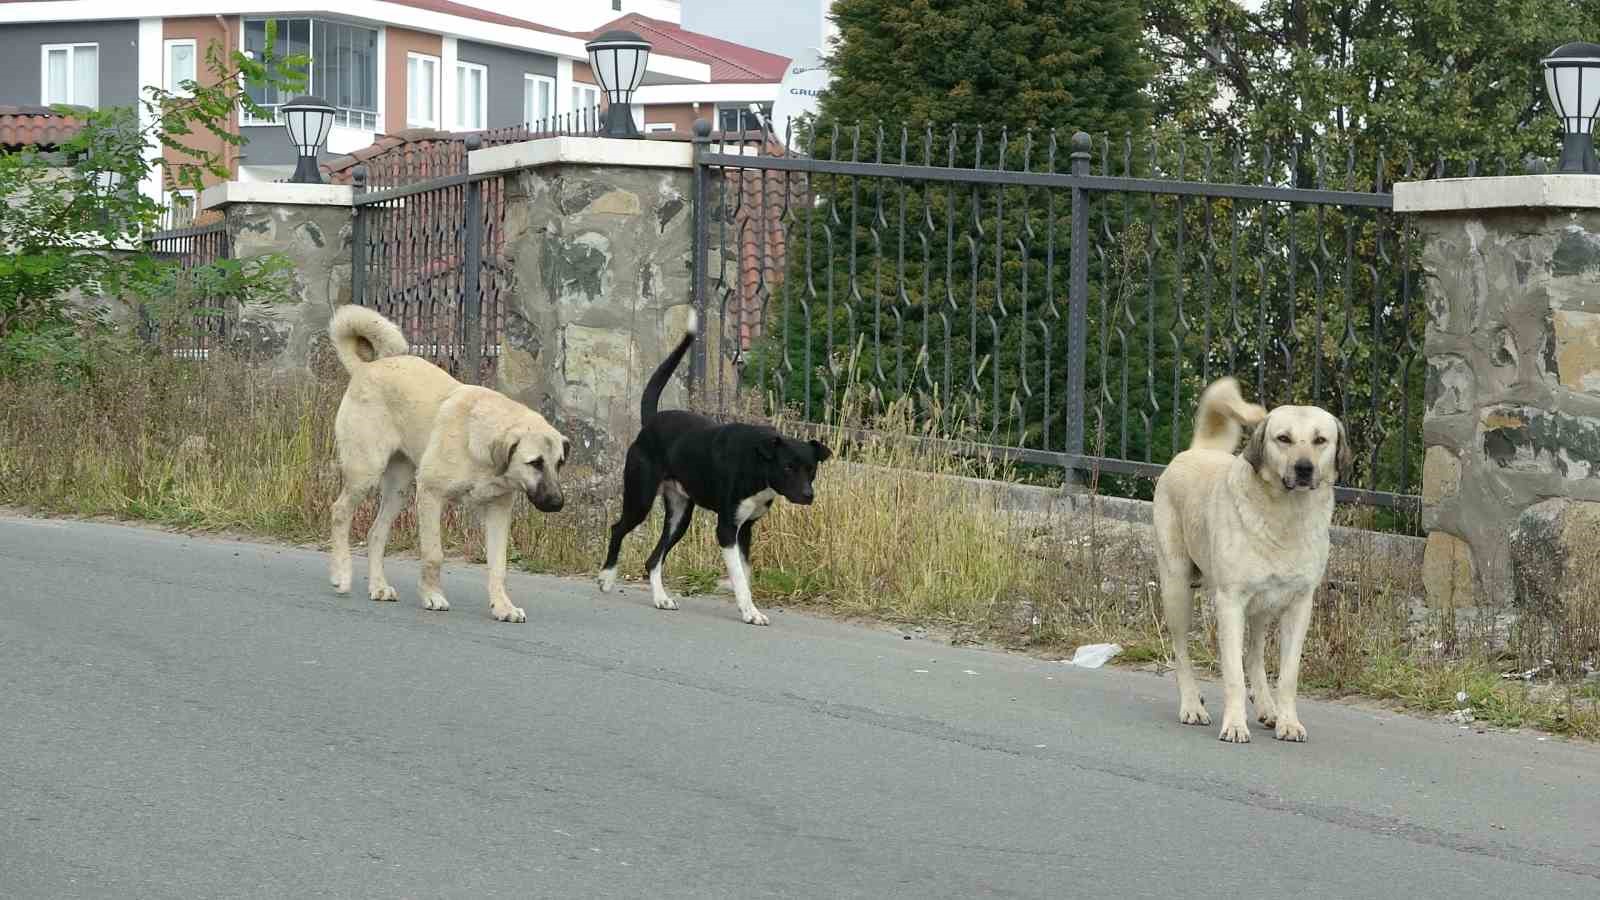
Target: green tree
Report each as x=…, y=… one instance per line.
x=1042, y=64
x=74, y=219
x=1457, y=80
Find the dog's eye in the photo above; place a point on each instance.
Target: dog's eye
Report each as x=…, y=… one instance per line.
x=1319, y=440
x=538, y=465
x=1283, y=439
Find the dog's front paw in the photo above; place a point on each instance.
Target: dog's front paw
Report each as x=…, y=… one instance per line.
x=756, y=617
x=1291, y=730
x=507, y=613
x=383, y=592
x=662, y=601
x=607, y=580
x=1193, y=714
x=339, y=578
x=1234, y=731
x=435, y=601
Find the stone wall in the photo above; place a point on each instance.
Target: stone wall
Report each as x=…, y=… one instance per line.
x=317, y=240
x=1511, y=476
x=601, y=261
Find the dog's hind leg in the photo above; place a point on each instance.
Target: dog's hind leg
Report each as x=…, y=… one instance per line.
x=639, y=486
x=496, y=532
x=430, y=509
x=1177, y=600
x=676, y=512
x=357, y=484
x=1260, y=688
x=396, y=482
x=728, y=540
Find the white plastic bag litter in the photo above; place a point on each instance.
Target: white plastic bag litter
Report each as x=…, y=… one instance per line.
x=1093, y=656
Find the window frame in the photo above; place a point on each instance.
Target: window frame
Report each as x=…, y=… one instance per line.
x=167, y=80
x=345, y=117
x=462, y=68
x=44, y=72
x=578, y=89
x=530, y=94
x=437, y=89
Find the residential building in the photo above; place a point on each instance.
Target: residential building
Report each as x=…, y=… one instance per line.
x=384, y=65
x=797, y=29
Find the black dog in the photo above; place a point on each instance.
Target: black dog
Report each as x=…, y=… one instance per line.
x=733, y=470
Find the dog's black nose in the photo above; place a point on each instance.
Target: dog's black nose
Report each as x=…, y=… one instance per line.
x=1303, y=470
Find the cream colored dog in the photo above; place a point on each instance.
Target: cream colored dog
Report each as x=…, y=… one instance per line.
x=1252, y=530
x=403, y=417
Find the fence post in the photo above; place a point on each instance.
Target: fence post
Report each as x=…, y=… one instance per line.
x=472, y=298
x=697, y=359
x=1078, y=305
x=358, y=241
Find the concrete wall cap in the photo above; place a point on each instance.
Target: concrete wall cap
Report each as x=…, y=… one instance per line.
x=1503, y=192
x=279, y=194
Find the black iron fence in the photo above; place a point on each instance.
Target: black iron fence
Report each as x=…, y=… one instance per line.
x=1062, y=301
x=429, y=255
x=194, y=320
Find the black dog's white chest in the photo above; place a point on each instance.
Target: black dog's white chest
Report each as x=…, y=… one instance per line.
x=754, y=507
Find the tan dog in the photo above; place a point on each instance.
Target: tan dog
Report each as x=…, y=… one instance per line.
x=403, y=417
x=1252, y=530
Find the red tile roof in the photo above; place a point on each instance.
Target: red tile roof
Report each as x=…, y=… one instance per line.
x=35, y=126
x=728, y=61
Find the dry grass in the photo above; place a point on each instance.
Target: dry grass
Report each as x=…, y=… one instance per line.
x=220, y=446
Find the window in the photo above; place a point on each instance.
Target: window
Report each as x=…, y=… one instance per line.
x=472, y=96
x=343, y=70
x=585, y=97
x=180, y=65
x=538, y=99
x=422, y=91
x=181, y=207
x=737, y=117
x=616, y=5
x=71, y=74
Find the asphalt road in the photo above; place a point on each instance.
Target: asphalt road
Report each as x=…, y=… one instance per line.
x=191, y=717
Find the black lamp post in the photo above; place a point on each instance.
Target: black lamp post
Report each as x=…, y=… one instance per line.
x=1572, y=76
x=618, y=59
x=308, y=121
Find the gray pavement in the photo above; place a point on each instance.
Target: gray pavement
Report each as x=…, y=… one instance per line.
x=195, y=717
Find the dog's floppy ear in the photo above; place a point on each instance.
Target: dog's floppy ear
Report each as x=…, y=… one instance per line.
x=823, y=453
x=1255, y=449
x=503, y=451
x=566, y=449
x=1345, y=456
x=768, y=448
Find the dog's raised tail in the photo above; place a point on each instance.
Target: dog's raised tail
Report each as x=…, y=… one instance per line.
x=355, y=328
x=658, y=378
x=1223, y=416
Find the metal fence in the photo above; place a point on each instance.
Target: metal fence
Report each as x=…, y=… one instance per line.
x=429, y=255
x=191, y=323
x=1061, y=301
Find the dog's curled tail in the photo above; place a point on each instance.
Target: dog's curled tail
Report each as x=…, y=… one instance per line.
x=1223, y=416
x=663, y=372
x=356, y=326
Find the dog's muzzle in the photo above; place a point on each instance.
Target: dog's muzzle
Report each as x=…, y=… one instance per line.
x=1304, y=472
x=544, y=502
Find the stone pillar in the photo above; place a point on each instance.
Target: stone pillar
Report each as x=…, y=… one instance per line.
x=1511, y=475
x=599, y=238
x=310, y=225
